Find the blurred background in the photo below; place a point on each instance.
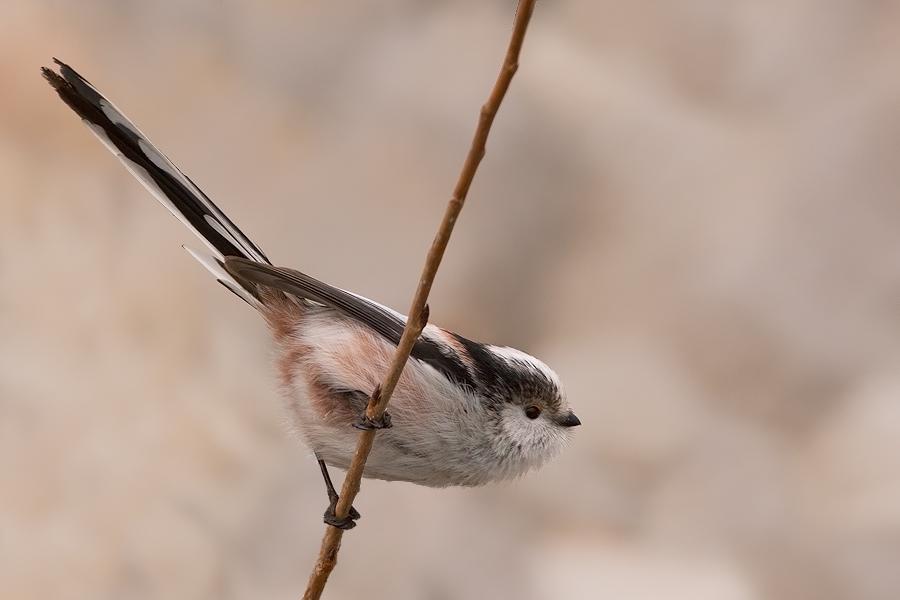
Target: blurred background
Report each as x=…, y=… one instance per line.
x=689, y=209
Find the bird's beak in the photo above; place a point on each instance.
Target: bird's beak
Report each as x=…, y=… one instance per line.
x=569, y=420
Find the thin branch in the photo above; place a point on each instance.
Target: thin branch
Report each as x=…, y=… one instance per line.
x=418, y=312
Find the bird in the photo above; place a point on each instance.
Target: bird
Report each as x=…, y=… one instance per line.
x=464, y=413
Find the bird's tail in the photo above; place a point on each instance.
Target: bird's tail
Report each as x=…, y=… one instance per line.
x=163, y=179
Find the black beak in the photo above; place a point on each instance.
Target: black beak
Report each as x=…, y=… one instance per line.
x=569, y=420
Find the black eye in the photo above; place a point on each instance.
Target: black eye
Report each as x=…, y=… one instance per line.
x=532, y=412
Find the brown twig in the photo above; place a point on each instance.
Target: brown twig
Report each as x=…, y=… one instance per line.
x=418, y=312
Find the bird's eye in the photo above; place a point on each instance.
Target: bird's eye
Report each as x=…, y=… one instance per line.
x=532, y=412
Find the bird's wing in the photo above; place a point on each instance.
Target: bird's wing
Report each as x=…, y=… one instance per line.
x=384, y=321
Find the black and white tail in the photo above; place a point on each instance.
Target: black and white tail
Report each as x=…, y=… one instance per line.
x=163, y=179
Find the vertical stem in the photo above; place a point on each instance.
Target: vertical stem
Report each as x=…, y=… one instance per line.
x=418, y=312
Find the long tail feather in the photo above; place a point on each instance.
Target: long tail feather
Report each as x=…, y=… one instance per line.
x=216, y=267
x=150, y=166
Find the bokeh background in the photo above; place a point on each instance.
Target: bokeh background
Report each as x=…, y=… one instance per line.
x=690, y=209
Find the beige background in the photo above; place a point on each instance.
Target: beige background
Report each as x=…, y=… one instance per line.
x=690, y=209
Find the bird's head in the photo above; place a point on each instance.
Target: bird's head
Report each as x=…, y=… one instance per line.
x=534, y=419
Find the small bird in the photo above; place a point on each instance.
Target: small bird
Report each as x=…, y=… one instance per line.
x=463, y=413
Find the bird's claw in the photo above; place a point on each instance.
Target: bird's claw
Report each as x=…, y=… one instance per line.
x=348, y=522
x=382, y=422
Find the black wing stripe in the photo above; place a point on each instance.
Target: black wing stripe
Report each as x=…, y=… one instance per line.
x=387, y=324
x=383, y=321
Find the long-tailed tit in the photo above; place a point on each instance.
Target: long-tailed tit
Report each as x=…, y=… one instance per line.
x=464, y=413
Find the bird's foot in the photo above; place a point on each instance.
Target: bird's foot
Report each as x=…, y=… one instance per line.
x=382, y=422
x=348, y=522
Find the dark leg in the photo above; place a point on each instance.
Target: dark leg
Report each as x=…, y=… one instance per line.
x=348, y=522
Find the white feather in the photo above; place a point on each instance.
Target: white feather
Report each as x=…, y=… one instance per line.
x=212, y=265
